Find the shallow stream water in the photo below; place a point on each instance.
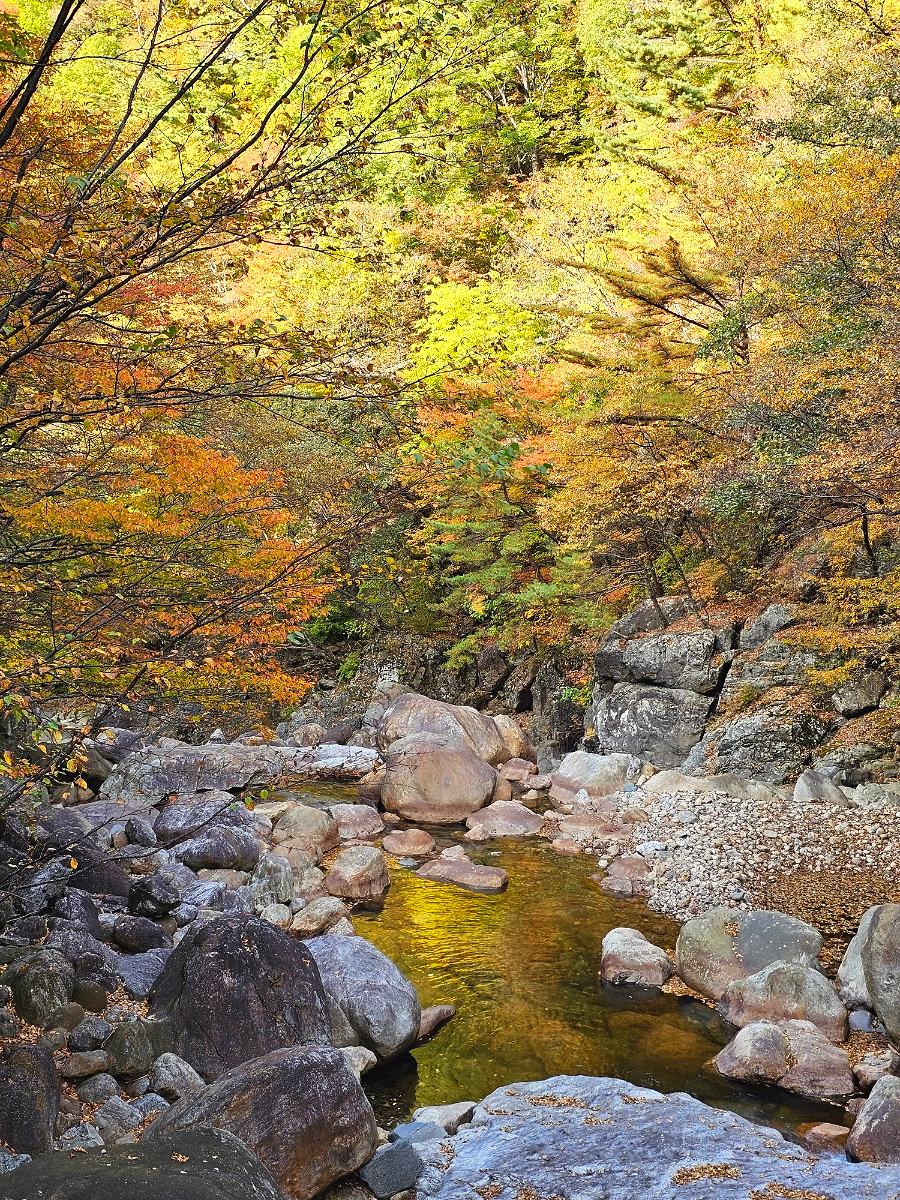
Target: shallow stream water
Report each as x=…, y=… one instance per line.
x=522, y=970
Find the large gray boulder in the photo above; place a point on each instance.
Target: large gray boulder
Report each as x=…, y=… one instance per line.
x=875, y=1136
x=764, y=626
x=724, y=944
x=370, y=1001
x=597, y=774
x=793, y=1055
x=193, y=1164
x=860, y=694
x=813, y=787
x=152, y=774
x=772, y=743
x=692, y=661
x=851, y=977
x=41, y=981
x=580, y=1138
x=236, y=988
x=880, y=952
x=200, y=811
x=435, y=779
x=301, y=1110
x=659, y=724
x=414, y=714
x=786, y=991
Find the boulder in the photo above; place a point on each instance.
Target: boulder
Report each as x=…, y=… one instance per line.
x=236, y=988
x=300, y=1109
x=875, y=1136
x=154, y=773
x=515, y=739
x=694, y=661
x=394, y=1169
x=629, y=958
x=880, y=952
x=660, y=724
x=135, y=1044
x=519, y=770
x=272, y=882
x=369, y=787
x=357, y=821
x=448, y=1116
x=79, y=908
x=583, y=1138
x=724, y=944
x=433, y=1019
x=795, y=1055
x=84, y=1064
x=503, y=819
x=785, y=991
x=139, y=972
x=358, y=873
x=408, y=843
x=674, y=782
x=41, y=981
x=824, y=1136
x=771, y=743
x=596, y=774
x=138, y=934
x=811, y=786
x=303, y=824
x=860, y=694
x=435, y=779
x=29, y=1099
x=199, y=811
x=851, y=977
x=194, y=1164
x=412, y=714
x=764, y=626
x=152, y=896
x=370, y=1001
x=220, y=846
x=872, y=1067
x=318, y=916
x=174, y=1079
x=465, y=874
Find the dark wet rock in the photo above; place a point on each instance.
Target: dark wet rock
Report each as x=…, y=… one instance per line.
x=140, y=832
x=79, y=908
x=794, y=1055
x=67, y=1017
x=236, y=988
x=358, y=873
x=139, y=972
x=395, y=1168
x=661, y=724
x=89, y=1034
x=74, y=942
x=875, y=1136
x=38, y=888
x=589, y=1137
x=152, y=896
x=629, y=958
x=95, y=979
x=41, y=981
x=197, y=812
x=203, y=1164
x=880, y=954
x=138, y=934
x=220, y=846
x=300, y=1109
x=29, y=1099
x=135, y=1045
x=724, y=944
x=371, y=1002
x=174, y=1079
x=205, y=893
x=465, y=874
x=786, y=991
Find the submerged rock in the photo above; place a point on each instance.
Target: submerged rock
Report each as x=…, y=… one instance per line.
x=465, y=874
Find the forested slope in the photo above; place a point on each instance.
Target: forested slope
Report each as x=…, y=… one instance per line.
x=477, y=322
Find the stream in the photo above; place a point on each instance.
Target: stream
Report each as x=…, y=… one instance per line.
x=522, y=970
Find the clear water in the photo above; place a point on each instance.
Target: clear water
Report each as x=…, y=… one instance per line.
x=522, y=970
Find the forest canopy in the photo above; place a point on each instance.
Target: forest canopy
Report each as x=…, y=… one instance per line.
x=477, y=321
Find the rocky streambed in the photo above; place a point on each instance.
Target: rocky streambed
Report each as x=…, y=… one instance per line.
x=233, y=940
